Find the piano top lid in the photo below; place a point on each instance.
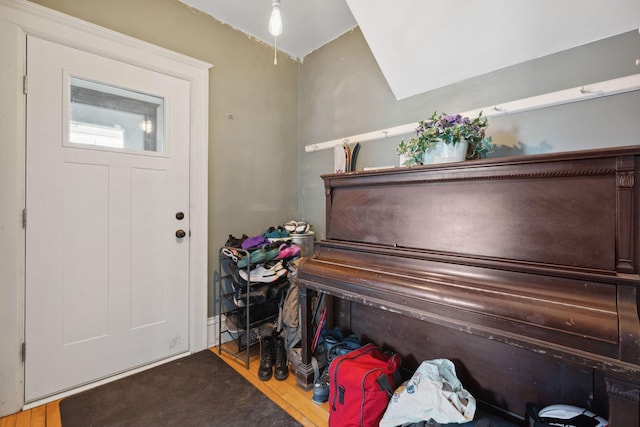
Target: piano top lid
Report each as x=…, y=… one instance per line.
x=598, y=153
x=573, y=210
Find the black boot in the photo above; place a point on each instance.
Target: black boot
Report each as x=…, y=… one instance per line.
x=266, y=358
x=281, y=368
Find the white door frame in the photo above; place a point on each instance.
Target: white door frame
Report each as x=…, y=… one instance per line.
x=20, y=18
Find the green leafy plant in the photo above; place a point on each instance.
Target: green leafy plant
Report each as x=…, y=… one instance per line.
x=451, y=129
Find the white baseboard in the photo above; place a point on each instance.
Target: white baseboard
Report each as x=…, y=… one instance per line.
x=212, y=330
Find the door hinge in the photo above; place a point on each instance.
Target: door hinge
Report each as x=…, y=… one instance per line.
x=24, y=352
x=25, y=84
x=24, y=218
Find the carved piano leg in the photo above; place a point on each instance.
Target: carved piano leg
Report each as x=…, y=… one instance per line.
x=305, y=372
x=624, y=403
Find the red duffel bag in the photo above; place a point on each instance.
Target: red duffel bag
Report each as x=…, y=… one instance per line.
x=361, y=383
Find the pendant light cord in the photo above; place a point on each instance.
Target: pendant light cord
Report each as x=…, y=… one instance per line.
x=275, y=51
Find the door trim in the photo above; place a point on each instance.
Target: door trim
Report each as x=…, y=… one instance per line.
x=35, y=20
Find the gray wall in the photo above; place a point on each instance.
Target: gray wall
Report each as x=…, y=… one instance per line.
x=343, y=93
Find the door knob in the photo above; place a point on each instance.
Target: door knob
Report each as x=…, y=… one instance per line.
x=180, y=234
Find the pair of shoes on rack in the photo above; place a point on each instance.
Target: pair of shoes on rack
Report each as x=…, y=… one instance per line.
x=232, y=323
x=257, y=295
x=231, y=253
x=258, y=256
x=288, y=250
x=254, y=242
x=264, y=274
x=273, y=359
x=297, y=227
x=278, y=232
x=242, y=337
x=235, y=242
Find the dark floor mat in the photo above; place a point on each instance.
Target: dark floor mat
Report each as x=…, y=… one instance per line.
x=197, y=390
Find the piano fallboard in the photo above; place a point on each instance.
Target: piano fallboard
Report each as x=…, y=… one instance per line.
x=573, y=318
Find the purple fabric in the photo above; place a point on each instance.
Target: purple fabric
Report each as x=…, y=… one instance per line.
x=254, y=242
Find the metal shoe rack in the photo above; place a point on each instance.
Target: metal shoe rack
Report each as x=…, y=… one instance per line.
x=239, y=346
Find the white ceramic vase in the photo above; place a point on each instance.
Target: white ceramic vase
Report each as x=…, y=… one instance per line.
x=443, y=153
x=403, y=159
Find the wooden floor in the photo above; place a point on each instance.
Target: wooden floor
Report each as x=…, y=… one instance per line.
x=286, y=394
x=47, y=415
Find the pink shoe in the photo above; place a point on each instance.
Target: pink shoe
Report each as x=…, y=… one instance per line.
x=286, y=251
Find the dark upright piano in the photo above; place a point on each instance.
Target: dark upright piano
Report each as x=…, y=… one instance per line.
x=524, y=271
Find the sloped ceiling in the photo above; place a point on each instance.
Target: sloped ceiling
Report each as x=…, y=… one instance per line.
x=422, y=45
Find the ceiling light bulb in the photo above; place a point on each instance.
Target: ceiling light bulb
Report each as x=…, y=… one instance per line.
x=275, y=22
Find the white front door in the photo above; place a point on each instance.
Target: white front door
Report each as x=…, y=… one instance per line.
x=107, y=277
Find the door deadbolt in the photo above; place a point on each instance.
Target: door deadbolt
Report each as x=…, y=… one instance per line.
x=179, y=215
x=180, y=234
